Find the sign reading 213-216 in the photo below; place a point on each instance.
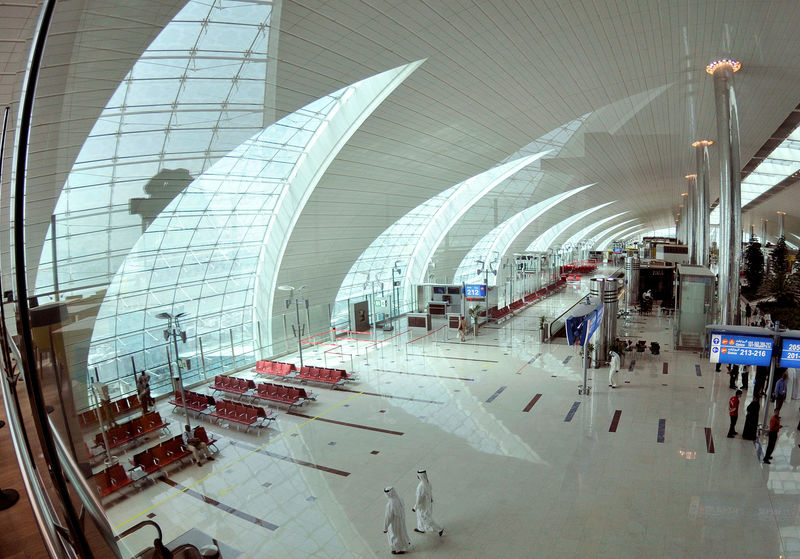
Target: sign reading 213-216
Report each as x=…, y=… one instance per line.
x=727, y=347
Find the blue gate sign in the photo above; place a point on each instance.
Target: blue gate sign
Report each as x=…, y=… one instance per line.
x=474, y=291
x=790, y=353
x=729, y=347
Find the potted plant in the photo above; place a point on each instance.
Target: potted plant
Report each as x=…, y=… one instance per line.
x=474, y=313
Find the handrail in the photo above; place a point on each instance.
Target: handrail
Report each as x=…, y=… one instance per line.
x=40, y=502
x=550, y=330
x=85, y=493
x=33, y=384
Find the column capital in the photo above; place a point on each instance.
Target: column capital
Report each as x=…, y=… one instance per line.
x=721, y=63
x=702, y=143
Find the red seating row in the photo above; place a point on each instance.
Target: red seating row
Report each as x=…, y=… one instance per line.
x=195, y=401
x=500, y=313
x=242, y=414
x=276, y=368
x=122, y=406
x=131, y=430
x=161, y=455
x=233, y=385
x=151, y=460
x=111, y=479
x=281, y=394
x=322, y=374
x=578, y=268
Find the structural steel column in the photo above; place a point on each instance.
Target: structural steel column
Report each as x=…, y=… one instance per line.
x=781, y=230
x=764, y=223
x=684, y=217
x=702, y=217
x=691, y=218
x=730, y=221
x=752, y=231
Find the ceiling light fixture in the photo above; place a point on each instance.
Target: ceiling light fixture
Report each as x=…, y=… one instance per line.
x=734, y=64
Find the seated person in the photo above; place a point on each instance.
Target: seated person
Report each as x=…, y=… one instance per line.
x=196, y=446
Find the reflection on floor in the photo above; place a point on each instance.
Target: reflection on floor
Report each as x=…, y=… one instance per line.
x=521, y=465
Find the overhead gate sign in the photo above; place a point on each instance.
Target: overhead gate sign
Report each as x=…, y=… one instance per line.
x=728, y=347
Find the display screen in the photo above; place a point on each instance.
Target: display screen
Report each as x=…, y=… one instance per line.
x=741, y=349
x=439, y=290
x=790, y=353
x=453, y=291
x=475, y=291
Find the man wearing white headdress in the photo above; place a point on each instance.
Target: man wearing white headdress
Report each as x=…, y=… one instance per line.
x=424, y=506
x=394, y=523
x=613, y=369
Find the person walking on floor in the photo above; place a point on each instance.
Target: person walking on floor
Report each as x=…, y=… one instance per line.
x=613, y=369
x=143, y=390
x=733, y=411
x=423, y=506
x=734, y=373
x=750, y=431
x=745, y=376
x=462, y=328
x=772, y=436
x=780, y=390
x=394, y=523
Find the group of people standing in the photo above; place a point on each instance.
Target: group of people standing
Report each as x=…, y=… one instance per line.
x=394, y=524
x=750, y=430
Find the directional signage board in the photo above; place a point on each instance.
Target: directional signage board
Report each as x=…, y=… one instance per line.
x=741, y=349
x=790, y=353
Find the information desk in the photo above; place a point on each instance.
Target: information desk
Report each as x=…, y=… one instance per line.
x=438, y=308
x=419, y=320
x=453, y=320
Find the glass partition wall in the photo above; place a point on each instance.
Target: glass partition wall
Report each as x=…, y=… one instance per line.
x=148, y=169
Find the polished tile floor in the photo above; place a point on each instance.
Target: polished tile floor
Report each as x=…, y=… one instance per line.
x=520, y=464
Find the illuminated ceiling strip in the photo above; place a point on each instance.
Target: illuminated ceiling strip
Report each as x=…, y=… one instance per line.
x=547, y=239
x=499, y=240
x=585, y=233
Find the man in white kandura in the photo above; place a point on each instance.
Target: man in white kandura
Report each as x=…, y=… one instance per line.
x=613, y=369
x=423, y=506
x=395, y=523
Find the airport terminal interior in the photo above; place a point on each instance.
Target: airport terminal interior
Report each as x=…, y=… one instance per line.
x=268, y=265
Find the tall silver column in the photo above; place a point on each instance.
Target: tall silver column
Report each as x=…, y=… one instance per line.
x=781, y=230
x=764, y=223
x=596, y=289
x=691, y=218
x=610, y=304
x=682, y=222
x=703, y=217
x=730, y=221
x=632, y=278
x=752, y=231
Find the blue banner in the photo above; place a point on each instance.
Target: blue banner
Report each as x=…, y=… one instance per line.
x=577, y=326
x=741, y=349
x=790, y=353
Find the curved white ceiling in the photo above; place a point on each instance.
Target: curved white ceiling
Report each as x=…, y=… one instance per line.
x=545, y=240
